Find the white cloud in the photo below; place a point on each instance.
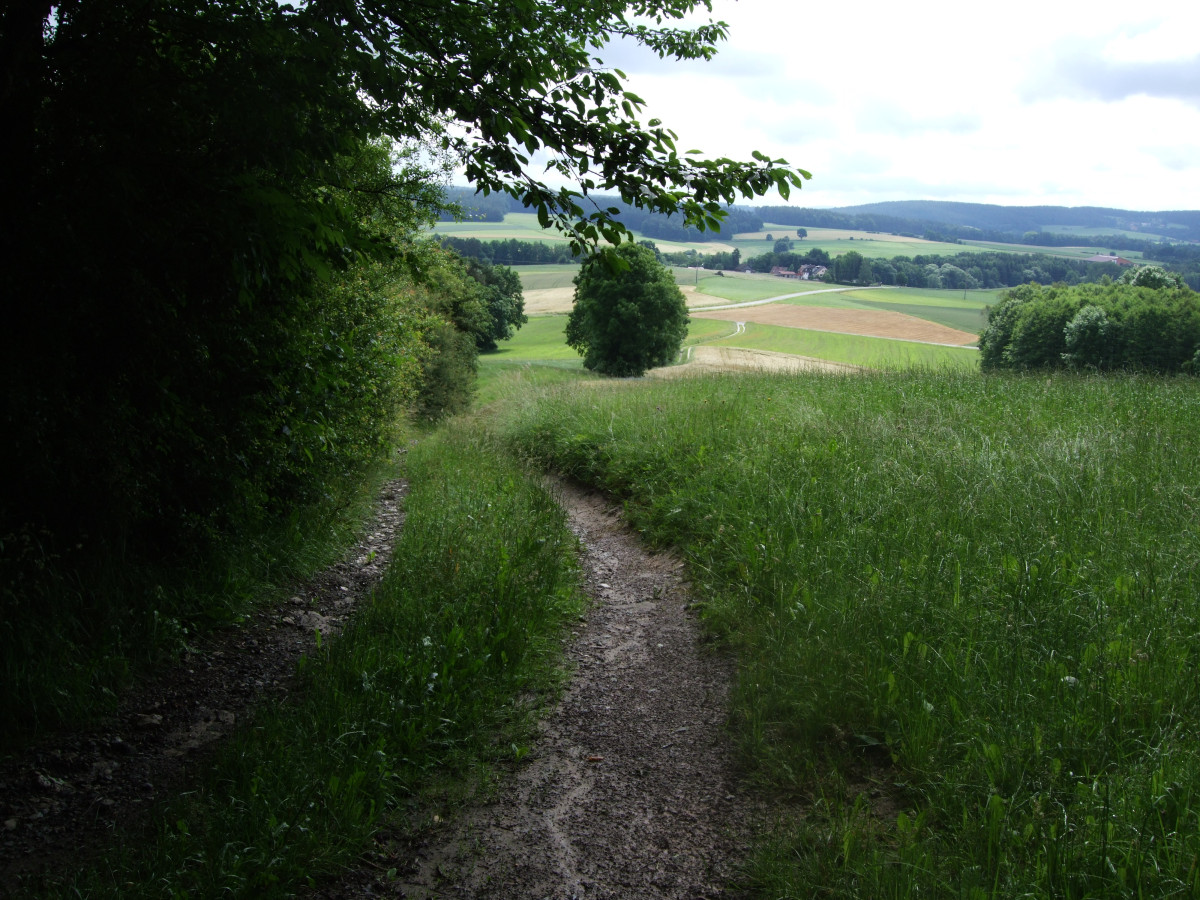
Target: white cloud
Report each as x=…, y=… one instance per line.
x=1071, y=104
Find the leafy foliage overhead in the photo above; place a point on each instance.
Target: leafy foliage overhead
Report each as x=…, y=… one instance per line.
x=524, y=77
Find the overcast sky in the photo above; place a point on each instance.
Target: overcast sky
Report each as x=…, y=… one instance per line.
x=1021, y=103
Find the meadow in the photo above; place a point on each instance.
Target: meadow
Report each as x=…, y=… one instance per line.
x=966, y=611
x=835, y=241
x=852, y=349
x=1068, y=252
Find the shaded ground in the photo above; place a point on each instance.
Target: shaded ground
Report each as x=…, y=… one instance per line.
x=630, y=789
x=60, y=800
x=869, y=323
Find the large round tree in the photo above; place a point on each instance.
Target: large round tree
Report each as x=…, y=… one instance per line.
x=629, y=315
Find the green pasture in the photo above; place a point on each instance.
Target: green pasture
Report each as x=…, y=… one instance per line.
x=872, y=352
x=738, y=287
x=836, y=241
x=542, y=341
x=541, y=338
x=974, y=300
x=535, y=278
x=944, y=307
x=522, y=226
x=966, y=613
x=703, y=331
x=1068, y=252
x=1102, y=232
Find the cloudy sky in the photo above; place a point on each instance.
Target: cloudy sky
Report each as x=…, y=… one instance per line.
x=1073, y=104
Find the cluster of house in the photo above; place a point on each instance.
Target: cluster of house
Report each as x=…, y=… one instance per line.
x=805, y=272
x=1119, y=260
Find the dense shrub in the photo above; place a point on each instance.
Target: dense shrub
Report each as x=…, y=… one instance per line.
x=1149, y=324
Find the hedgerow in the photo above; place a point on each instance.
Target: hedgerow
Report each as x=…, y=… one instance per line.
x=1142, y=323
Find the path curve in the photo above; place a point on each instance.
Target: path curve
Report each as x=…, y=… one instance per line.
x=630, y=790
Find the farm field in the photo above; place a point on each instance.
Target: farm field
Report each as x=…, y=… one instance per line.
x=1084, y=231
x=947, y=308
x=866, y=322
x=739, y=287
x=525, y=227
x=965, y=611
x=851, y=349
x=1069, y=252
x=837, y=241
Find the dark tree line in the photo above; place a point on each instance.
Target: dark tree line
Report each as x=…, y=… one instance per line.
x=512, y=252
x=1146, y=323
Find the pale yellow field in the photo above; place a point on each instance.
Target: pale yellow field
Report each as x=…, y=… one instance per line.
x=708, y=360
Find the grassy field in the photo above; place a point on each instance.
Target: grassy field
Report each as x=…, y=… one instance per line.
x=542, y=341
x=738, y=287
x=965, y=310
x=1101, y=232
x=876, y=353
x=837, y=241
x=1069, y=252
x=965, y=610
x=524, y=226
x=537, y=278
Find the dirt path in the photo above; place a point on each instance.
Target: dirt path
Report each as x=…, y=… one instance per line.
x=61, y=799
x=630, y=790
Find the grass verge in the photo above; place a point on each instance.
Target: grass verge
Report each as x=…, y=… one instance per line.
x=967, y=612
x=437, y=674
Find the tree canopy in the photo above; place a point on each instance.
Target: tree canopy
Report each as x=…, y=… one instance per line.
x=629, y=315
x=218, y=299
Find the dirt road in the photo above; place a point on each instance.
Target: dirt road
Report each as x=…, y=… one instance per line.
x=630, y=792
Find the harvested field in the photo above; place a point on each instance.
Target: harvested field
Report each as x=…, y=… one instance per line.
x=549, y=300
x=870, y=323
x=710, y=360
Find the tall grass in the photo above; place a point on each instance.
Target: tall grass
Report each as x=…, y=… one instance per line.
x=967, y=611
x=439, y=672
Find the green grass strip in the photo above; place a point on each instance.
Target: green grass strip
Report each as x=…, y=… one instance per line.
x=432, y=678
x=966, y=609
